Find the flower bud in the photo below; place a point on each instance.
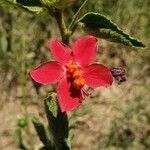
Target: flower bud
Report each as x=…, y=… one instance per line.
x=119, y=74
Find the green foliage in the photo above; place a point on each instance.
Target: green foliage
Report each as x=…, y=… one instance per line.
x=58, y=121
x=98, y=25
x=29, y=3
x=29, y=6
x=33, y=6
x=37, y=6
x=55, y=134
x=42, y=132
x=59, y=4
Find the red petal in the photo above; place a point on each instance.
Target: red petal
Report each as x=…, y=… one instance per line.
x=68, y=98
x=60, y=51
x=47, y=73
x=97, y=75
x=84, y=50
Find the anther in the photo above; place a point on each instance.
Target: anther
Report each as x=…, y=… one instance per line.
x=79, y=83
x=77, y=73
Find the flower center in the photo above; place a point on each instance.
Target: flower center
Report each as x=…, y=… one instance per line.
x=75, y=75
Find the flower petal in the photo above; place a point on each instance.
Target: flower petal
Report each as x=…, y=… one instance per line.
x=60, y=51
x=68, y=97
x=47, y=73
x=97, y=75
x=84, y=50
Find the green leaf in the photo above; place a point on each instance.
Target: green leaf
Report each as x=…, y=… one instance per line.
x=59, y=4
x=47, y=148
x=30, y=3
x=42, y=132
x=51, y=105
x=58, y=121
x=33, y=6
x=100, y=26
x=55, y=134
x=36, y=10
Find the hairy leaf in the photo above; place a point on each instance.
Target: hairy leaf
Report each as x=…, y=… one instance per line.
x=42, y=132
x=32, y=6
x=58, y=121
x=30, y=3
x=59, y=4
x=100, y=26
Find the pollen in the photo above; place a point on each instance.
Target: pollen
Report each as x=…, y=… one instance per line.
x=76, y=73
x=72, y=67
x=79, y=82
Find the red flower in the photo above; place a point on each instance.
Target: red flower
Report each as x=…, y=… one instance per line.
x=73, y=70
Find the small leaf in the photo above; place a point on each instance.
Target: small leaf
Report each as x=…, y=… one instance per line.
x=51, y=105
x=100, y=26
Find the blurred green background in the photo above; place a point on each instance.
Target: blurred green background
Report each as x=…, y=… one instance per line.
x=115, y=118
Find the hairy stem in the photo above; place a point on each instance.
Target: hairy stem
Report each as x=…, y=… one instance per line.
x=62, y=27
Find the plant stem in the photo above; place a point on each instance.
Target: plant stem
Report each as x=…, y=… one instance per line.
x=62, y=27
x=75, y=17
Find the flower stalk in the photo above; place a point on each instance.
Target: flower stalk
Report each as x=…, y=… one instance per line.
x=58, y=14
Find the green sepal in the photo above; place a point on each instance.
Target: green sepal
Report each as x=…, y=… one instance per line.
x=100, y=26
